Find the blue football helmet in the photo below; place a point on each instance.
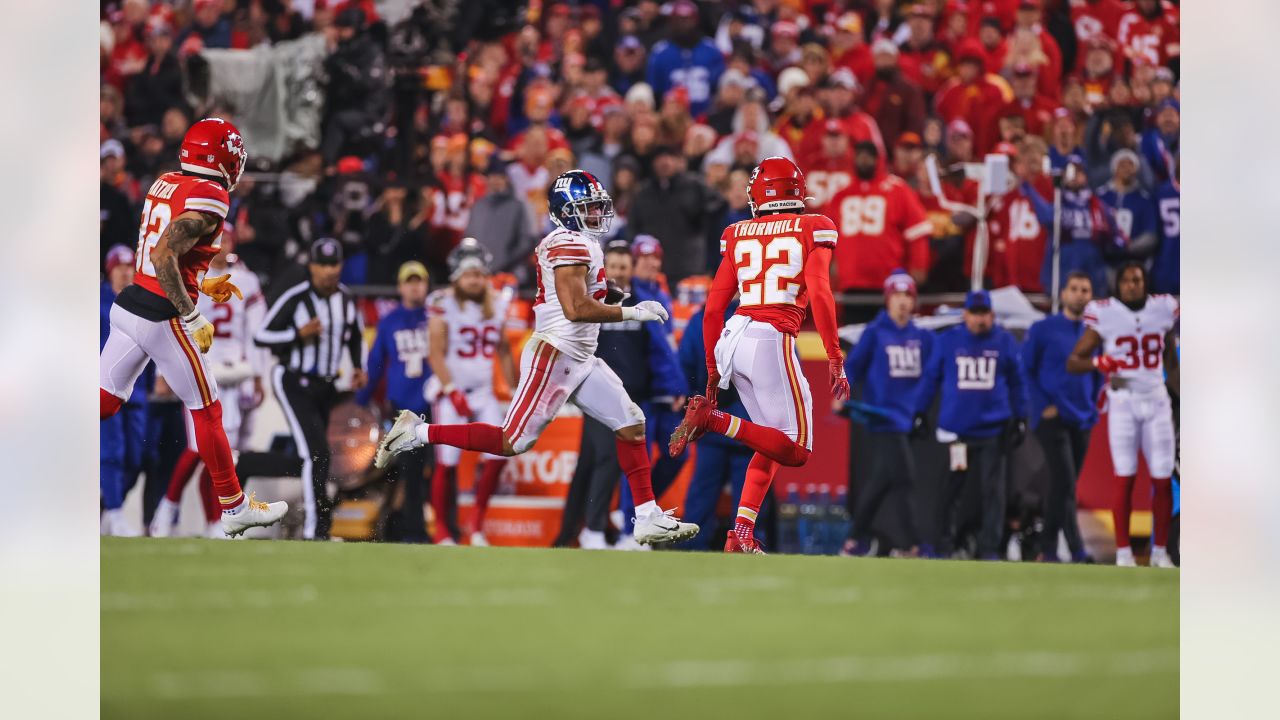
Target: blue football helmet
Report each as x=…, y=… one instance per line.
x=579, y=202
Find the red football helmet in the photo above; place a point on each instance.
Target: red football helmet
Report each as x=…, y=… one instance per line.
x=776, y=185
x=214, y=147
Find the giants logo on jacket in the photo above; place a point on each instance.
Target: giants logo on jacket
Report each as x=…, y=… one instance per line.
x=976, y=373
x=411, y=347
x=904, y=360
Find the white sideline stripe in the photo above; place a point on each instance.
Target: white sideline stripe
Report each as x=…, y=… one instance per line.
x=244, y=684
x=308, y=595
x=844, y=669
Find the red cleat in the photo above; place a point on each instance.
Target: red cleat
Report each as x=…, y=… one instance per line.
x=734, y=544
x=697, y=415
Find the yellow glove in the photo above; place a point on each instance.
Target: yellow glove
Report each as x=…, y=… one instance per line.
x=201, y=330
x=220, y=288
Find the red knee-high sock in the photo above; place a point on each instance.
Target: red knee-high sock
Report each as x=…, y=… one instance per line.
x=1122, y=509
x=633, y=457
x=472, y=436
x=490, y=472
x=182, y=472
x=108, y=404
x=443, y=490
x=1161, y=510
x=215, y=451
x=760, y=472
x=212, y=511
x=770, y=442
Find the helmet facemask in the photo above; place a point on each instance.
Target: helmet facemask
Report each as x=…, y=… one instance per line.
x=594, y=214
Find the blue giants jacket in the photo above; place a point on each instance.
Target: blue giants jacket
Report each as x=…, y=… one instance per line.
x=400, y=353
x=642, y=355
x=981, y=382
x=698, y=69
x=888, y=362
x=1165, y=275
x=1044, y=363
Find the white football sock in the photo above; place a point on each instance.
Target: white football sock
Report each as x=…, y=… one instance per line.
x=420, y=432
x=646, y=509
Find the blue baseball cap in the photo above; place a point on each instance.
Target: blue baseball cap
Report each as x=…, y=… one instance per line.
x=977, y=300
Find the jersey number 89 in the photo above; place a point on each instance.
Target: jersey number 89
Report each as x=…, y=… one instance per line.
x=780, y=259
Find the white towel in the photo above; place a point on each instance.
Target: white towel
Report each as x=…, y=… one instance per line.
x=727, y=344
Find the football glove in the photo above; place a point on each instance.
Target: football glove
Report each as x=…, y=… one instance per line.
x=220, y=288
x=200, y=329
x=1106, y=364
x=839, y=383
x=647, y=311
x=459, y=400
x=713, y=384
x=614, y=294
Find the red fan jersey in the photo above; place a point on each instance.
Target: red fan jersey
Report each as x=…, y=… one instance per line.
x=826, y=175
x=171, y=195
x=768, y=255
x=1151, y=41
x=1017, y=239
x=882, y=226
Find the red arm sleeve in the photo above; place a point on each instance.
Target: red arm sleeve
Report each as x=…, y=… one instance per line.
x=817, y=279
x=723, y=288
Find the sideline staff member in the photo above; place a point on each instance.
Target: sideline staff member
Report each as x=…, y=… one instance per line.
x=308, y=328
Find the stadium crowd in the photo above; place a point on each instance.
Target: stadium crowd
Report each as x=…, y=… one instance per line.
x=400, y=127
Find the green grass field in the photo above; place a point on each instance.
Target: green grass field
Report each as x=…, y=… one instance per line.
x=281, y=630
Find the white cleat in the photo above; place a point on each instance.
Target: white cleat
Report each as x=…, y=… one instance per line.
x=660, y=528
x=214, y=531
x=1160, y=558
x=479, y=540
x=114, y=524
x=628, y=543
x=253, y=514
x=592, y=540
x=402, y=436
x=165, y=519
x=446, y=542
x=1124, y=557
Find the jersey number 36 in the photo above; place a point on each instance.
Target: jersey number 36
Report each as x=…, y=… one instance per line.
x=766, y=270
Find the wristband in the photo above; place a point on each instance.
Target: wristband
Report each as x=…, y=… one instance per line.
x=630, y=313
x=447, y=389
x=191, y=316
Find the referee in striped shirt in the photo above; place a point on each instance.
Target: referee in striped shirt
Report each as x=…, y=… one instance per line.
x=308, y=328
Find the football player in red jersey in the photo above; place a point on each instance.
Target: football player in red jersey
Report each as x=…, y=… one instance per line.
x=156, y=318
x=779, y=261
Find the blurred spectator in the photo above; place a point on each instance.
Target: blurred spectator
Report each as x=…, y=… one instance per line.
x=158, y=85
x=1148, y=33
x=529, y=177
x=686, y=58
x=836, y=97
x=675, y=207
x=356, y=96
x=908, y=156
x=885, y=21
x=623, y=188
x=849, y=47
x=699, y=141
x=501, y=224
x=629, y=62
x=1165, y=271
x=1029, y=43
x=674, y=120
x=1098, y=70
x=732, y=90
x=750, y=125
x=387, y=235
x=953, y=220
x=799, y=108
x=1035, y=109
x=972, y=95
x=784, y=46
x=896, y=102
x=886, y=363
x=1133, y=210
x=118, y=219
x=1088, y=229
x=598, y=157
x=982, y=415
x=399, y=353
x=925, y=62
x=1063, y=411
x=829, y=170
x=959, y=142
x=1064, y=139
x=1018, y=236
x=123, y=436
x=1091, y=18
x=882, y=226
x=1160, y=144
x=210, y=24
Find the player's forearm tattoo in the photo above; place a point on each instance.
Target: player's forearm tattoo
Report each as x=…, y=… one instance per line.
x=181, y=235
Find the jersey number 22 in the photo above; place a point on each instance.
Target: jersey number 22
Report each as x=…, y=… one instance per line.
x=766, y=270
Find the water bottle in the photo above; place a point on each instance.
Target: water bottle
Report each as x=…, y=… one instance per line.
x=823, y=501
x=810, y=520
x=841, y=522
x=788, y=520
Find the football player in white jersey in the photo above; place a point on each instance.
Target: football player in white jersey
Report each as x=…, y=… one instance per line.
x=558, y=364
x=1136, y=333
x=464, y=328
x=238, y=366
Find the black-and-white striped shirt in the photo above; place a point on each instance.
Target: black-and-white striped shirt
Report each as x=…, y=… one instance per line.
x=319, y=355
